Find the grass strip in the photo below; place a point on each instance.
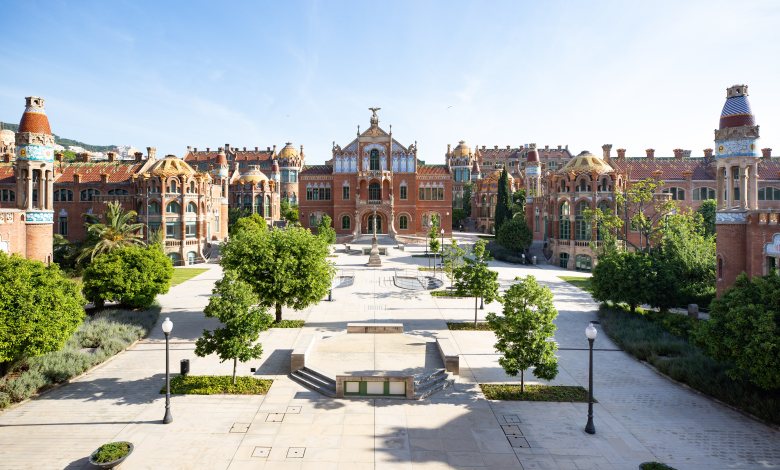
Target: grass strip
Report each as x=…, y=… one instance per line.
x=446, y=293
x=534, y=392
x=469, y=326
x=183, y=274
x=288, y=324
x=218, y=385
x=581, y=282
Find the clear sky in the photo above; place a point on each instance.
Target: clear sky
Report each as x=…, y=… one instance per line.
x=176, y=73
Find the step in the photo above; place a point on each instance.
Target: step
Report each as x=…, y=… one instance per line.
x=316, y=378
x=423, y=378
x=433, y=388
x=316, y=386
x=320, y=375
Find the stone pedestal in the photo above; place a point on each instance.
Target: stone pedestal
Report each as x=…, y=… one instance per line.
x=373, y=258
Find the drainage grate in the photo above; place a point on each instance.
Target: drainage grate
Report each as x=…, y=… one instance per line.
x=511, y=419
x=274, y=418
x=511, y=430
x=239, y=427
x=375, y=307
x=518, y=441
x=294, y=409
x=261, y=452
x=296, y=452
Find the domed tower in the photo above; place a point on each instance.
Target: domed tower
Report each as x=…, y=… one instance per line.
x=290, y=161
x=35, y=178
x=460, y=160
x=533, y=173
x=737, y=152
x=222, y=176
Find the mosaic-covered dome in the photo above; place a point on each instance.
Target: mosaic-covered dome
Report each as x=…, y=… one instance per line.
x=253, y=176
x=736, y=111
x=171, y=166
x=34, y=119
x=586, y=162
x=288, y=151
x=462, y=150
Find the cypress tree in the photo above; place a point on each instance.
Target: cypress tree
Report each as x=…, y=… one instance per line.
x=503, y=212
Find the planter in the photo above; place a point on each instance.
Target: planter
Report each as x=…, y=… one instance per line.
x=113, y=463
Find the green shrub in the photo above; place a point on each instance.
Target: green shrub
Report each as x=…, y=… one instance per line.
x=59, y=366
x=288, y=324
x=25, y=385
x=5, y=400
x=111, y=452
x=503, y=254
x=515, y=235
x=218, y=385
x=469, y=326
x=534, y=392
x=655, y=466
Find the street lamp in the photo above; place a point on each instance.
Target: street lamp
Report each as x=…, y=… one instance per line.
x=590, y=333
x=167, y=326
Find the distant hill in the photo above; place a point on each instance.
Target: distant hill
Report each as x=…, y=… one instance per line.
x=64, y=141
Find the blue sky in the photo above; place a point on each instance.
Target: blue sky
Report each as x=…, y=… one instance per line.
x=177, y=73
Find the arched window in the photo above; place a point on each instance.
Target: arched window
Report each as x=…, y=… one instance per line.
x=769, y=194
x=425, y=220
x=604, y=185
x=61, y=195
x=563, y=260
x=173, y=207
x=346, y=222
x=582, y=229
x=345, y=192
x=267, y=212
x=563, y=186
x=582, y=185
x=191, y=188
x=374, y=192
x=403, y=222
x=374, y=160
x=312, y=220
x=702, y=194
x=154, y=208
x=259, y=204
x=404, y=190
x=678, y=194
x=88, y=194
x=564, y=223
x=192, y=207
x=153, y=187
x=191, y=257
x=173, y=186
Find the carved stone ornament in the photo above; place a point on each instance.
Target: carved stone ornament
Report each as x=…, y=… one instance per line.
x=730, y=217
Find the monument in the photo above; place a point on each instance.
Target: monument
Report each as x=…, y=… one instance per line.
x=373, y=258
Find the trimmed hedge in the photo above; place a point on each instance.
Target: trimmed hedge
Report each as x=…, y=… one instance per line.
x=469, y=326
x=533, y=392
x=218, y=385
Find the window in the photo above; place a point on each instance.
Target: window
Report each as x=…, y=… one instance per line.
x=154, y=208
x=563, y=186
x=192, y=208
x=678, y=194
x=433, y=194
x=173, y=186
x=318, y=194
x=403, y=222
x=289, y=176
x=582, y=186
x=88, y=194
x=191, y=257
x=191, y=188
x=702, y=194
x=374, y=191
x=172, y=230
x=267, y=210
x=564, y=223
x=62, y=228
x=583, y=263
x=374, y=160
x=60, y=195
x=117, y=192
x=153, y=187
x=312, y=220
x=536, y=219
x=191, y=230
x=173, y=207
x=345, y=193
x=563, y=260
x=345, y=222
x=582, y=229
x=259, y=204
x=764, y=194
x=7, y=195
x=404, y=192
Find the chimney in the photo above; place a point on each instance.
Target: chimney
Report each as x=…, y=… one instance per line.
x=495, y=147
x=678, y=154
x=111, y=156
x=256, y=149
x=508, y=147
x=274, y=149
x=83, y=157
x=195, y=149
x=208, y=149
x=547, y=147
x=766, y=153
x=227, y=147
x=707, y=153
x=686, y=154
x=559, y=147
x=483, y=147
x=268, y=149
x=138, y=156
x=606, y=150
x=621, y=154
x=77, y=178
x=151, y=152
x=449, y=149
x=189, y=149
x=104, y=178
x=650, y=153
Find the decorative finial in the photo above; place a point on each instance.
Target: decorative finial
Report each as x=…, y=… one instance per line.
x=374, y=117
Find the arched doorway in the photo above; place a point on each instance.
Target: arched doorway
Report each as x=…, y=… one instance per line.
x=367, y=223
x=372, y=220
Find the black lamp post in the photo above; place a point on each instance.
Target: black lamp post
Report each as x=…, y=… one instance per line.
x=590, y=333
x=167, y=326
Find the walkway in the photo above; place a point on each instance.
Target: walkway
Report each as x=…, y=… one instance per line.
x=640, y=415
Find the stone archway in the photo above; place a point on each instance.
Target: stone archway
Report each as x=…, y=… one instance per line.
x=367, y=222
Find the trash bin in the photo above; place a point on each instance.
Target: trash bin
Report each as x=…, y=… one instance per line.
x=534, y=259
x=184, y=367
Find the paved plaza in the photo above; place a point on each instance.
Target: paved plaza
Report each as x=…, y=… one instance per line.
x=641, y=416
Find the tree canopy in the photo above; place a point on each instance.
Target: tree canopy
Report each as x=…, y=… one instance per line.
x=120, y=230
x=515, y=235
x=325, y=230
x=707, y=209
x=475, y=279
x=503, y=211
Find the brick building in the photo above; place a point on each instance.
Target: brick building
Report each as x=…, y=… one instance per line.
x=376, y=180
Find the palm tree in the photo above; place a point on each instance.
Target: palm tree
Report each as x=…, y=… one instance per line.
x=120, y=230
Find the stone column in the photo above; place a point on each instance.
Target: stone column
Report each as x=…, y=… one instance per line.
x=754, y=186
x=729, y=188
x=29, y=190
x=743, y=186
x=49, y=190
x=719, y=187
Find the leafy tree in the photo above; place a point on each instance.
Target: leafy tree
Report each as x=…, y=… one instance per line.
x=707, y=210
x=515, y=235
x=234, y=215
x=132, y=276
x=744, y=330
x=503, y=212
x=608, y=225
x=475, y=279
x=234, y=304
x=39, y=308
x=285, y=267
x=65, y=252
x=622, y=277
x=525, y=331
x=252, y=221
x=458, y=216
x=453, y=258
x=120, y=230
x=468, y=189
x=518, y=204
x=433, y=236
x=289, y=211
x=647, y=209
x=325, y=230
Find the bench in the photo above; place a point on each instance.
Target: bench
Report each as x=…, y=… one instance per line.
x=382, y=250
x=375, y=327
x=449, y=355
x=346, y=248
x=400, y=247
x=303, y=346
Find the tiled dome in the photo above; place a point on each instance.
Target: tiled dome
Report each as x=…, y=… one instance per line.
x=462, y=150
x=34, y=119
x=171, y=166
x=288, y=151
x=254, y=175
x=736, y=112
x=586, y=162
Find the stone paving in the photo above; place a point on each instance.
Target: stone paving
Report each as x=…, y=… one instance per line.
x=640, y=416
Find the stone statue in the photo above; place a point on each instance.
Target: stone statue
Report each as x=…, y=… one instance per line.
x=374, y=117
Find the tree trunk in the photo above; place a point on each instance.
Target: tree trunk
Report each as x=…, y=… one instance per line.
x=633, y=308
x=235, y=364
x=475, y=313
x=522, y=381
x=278, y=312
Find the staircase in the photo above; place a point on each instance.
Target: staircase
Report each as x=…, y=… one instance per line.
x=537, y=249
x=426, y=385
x=430, y=282
x=381, y=240
x=315, y=381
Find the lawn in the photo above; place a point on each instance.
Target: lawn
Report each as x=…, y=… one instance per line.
x=183, y=274
x=218, y=385
x=533, y=392
x=469, y=326
x=288, y=324
x=581, y=282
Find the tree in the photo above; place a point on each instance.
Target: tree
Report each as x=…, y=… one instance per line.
x=525, y=331
x=433, y=235
x=608, y=225
x=132, y=276
x=453, y=258
x=475, y=279
x=39, y=308
x=252, y=221
x=518, y=204
x=515, y=235
x=234, y=304
x=647, y=209
x=744, y=330
x=622, y=277
x=325, y=230
x=234, y=215
x=285, y=267
x=503, y=212
x=707, y=210
x=120, y=230
x=289, y=211
x=467, y=190
x=64, y=252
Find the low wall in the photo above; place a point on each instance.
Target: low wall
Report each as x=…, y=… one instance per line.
x=375, y=327
x=302, y=348
x=449, y=355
